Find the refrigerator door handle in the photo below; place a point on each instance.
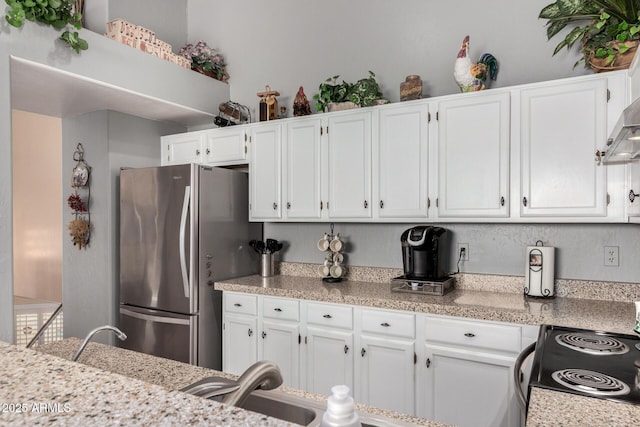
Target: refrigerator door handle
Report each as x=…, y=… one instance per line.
x=159, y=319
x=183, y=225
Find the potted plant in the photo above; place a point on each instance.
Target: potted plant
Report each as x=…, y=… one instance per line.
x=205, y=60
x=60, y=14
x=608, y=30
x=363, y=93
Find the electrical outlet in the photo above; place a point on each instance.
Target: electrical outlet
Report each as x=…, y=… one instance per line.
x=463, y=251
x=611, y=256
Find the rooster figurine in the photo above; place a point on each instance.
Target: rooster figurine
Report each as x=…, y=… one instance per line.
x=301, y=106
x=472, y=77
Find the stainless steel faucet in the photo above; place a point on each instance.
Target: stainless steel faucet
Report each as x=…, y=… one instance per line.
x=121, y=335
x=262, y=375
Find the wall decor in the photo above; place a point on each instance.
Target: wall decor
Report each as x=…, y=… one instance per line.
x=79, y=201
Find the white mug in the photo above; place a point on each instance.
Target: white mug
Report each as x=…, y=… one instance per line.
x=336, y=270
x=338, y=258
x=336, y=244
x=324, y=270
x=323, y=244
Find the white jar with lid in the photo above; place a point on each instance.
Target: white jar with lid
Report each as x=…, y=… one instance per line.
x=341, y=410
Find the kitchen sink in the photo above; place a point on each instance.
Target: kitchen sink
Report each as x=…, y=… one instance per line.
x=277, y=408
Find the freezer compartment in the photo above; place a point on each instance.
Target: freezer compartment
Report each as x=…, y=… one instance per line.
x=159, y=333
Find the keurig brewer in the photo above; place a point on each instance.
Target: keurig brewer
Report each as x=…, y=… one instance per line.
x=424, y=258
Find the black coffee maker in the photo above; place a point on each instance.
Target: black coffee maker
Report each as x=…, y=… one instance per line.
x=424, y=253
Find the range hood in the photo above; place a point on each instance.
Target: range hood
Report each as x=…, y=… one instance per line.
x=624, y=144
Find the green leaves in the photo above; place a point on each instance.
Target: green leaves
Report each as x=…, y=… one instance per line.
x=57, y=13
x=362, y=93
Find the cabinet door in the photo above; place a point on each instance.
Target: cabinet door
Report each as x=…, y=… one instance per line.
x=226, y=146
x=329, y=359
x=281, y=344
x=239, y=343
x=265, y=172
x=385, y=373
x=349, y=165
x=562, y=126
x=403, y=162
x=182, y=148
x=473, y=156
x=480, y=384
x=303, y=173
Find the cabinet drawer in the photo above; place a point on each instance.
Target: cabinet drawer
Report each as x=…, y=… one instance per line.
x=241, y=303
x=279, y=308
x=336, y=316
x=474, y=334
x=389, y=323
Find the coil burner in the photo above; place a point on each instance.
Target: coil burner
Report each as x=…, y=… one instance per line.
x=594, y=344
x=590, y=382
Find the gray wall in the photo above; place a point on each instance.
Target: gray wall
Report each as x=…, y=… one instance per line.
x=493, y=248
x=288, y=43
x=90, y=277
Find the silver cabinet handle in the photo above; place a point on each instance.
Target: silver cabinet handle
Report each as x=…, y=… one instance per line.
x=183, y=225
x=469, y=335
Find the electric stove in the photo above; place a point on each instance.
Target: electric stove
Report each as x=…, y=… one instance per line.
x=602, y=365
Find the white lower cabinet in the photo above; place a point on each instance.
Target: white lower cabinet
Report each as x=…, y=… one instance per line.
x=329, y=350
x=239, y=332
x=280, y=337
x=467, y=365
x=385, y=363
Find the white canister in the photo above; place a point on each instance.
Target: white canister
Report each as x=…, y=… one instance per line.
x=539, y=273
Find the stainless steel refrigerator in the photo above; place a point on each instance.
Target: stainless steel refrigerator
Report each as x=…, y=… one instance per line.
x=181, y=228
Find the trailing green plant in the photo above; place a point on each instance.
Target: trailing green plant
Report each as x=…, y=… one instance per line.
x=60, y=14
x=362, y=93
x=603, y=27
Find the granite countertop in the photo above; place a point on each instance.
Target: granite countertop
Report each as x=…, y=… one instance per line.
x=41, y=389
x=591, y=305
x=166, y=375
x=612, y=316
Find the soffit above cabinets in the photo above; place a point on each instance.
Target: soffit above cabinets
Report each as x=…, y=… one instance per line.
x=53, y=92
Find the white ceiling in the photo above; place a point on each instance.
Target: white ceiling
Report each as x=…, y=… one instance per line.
x=49, y=91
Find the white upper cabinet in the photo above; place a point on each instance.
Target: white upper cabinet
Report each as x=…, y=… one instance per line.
x=349, y=165
x=562, y=126
x=226, y=146
x=401, y=160
x=303, y=169
x=265, y=172
x=182, y=148
x=473, y=156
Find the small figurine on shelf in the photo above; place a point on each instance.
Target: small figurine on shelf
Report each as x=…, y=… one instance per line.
x=301, y=106
x=473, y=77
x=268, y=104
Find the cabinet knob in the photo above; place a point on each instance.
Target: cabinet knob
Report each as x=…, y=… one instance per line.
x=208, y=151
x=366, y=204
x=197, y=152
x=632, y=196
x=288, y=205
x=502, y=201
x=237, y=304
x=469, y=335
x=264, y=334
x=250, y=332
x=385, y=325
x=381, y=204
x=524, y=201
x=346, y=349
x=278, y=309
x=327, y=316
x=362, y=352
x=428, y=362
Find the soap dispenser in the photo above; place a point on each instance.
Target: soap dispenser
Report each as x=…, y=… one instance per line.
x=341, y=410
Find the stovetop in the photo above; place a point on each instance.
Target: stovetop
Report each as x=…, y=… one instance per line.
x=588, y=363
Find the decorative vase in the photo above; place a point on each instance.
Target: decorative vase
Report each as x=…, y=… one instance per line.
x=622, y=61
x=411, y=88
